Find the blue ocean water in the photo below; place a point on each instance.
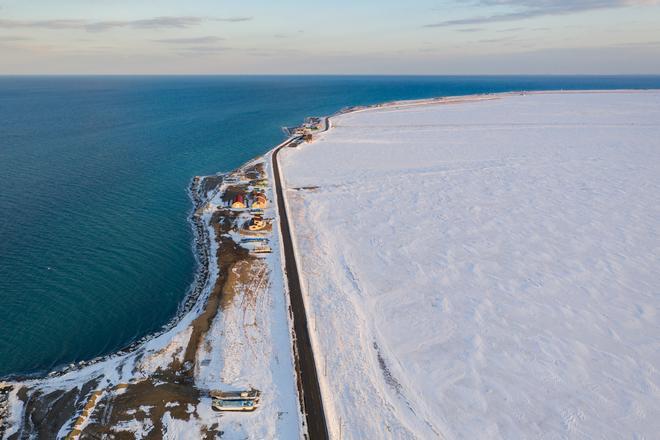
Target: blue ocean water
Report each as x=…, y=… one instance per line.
x=95, y=248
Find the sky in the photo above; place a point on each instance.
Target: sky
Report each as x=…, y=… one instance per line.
x=338, y=37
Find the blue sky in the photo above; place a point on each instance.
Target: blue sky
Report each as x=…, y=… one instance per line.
x=338, y=37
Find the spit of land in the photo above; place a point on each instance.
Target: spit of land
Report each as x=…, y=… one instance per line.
x=233, y=334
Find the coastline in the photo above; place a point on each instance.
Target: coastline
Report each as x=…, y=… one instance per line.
x=179, y=366
x=194, y=301
x=201, y=248
x=200, y=245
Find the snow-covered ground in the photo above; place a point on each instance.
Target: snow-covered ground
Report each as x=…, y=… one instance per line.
x=486, y=269
x=250, y=345
x=247, y=345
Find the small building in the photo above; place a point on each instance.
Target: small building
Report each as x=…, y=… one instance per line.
x=239, y=202
x=260, y=201
x=263, y=249
x=257, y=224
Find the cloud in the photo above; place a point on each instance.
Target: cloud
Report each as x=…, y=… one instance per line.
x=150, y=23
x=192, y=40
x=209, y=51
x=524, y=9
x=234, y=19
x=12, y=38
x=640, y=44
x=176, y=22
x=45, y=24
x=493, y=40
x=204, y=49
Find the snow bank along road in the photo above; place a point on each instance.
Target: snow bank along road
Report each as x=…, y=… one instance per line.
x=486, y=269
x=308, y=385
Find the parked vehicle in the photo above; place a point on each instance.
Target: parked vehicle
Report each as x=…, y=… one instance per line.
x=247, y=400
x=252, y=393
x=235, y=405
x=254, y=240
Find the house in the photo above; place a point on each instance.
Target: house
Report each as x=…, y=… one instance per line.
x=239, y=202
x=260, y=201
x=257, y=224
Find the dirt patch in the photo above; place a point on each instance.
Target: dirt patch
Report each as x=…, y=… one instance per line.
x=306, y=188
x=228, y=254
x=45, y=414
x=244, y=278
x=148, y=399
x=255, y=171
x=211, y=183
x=387, y=374
x=224, y=221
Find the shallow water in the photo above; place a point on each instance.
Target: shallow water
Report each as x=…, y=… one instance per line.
x=94, y=242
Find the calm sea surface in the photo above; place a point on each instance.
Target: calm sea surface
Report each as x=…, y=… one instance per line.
x=95, y=248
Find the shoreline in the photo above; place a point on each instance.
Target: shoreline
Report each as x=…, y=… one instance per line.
x=173, y=373
x=200, y=241
x=202, y=190
x=201, y=246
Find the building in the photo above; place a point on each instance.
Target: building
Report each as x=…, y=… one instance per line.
x=257, y=224
x=260, y=201
x=239, y=202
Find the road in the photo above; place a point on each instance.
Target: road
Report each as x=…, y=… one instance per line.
x=308, y=382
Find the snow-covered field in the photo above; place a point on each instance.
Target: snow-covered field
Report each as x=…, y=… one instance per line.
x=486, y=269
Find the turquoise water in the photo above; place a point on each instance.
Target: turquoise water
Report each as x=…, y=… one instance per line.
x=95, y=248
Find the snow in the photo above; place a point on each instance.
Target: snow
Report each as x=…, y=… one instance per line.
x=16, y=406
x=139, y=429
x=485, y=269
x=255, y=349
x=175, y=429
x=248, y=344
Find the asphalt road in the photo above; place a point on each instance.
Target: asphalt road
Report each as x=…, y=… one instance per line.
x=308, y=382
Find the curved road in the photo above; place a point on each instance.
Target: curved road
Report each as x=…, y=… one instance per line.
x=308, y=383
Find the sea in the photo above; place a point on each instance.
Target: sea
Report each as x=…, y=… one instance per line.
x=95, y=245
